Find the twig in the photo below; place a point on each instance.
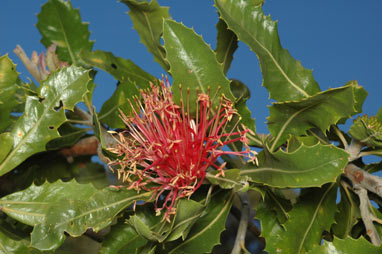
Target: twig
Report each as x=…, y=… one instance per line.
x=243, y=224
x=341, y=136
x=354, y=149
x=367, y=217
x=363, y=179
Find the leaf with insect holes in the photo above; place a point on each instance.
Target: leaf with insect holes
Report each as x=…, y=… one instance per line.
x=43, y=115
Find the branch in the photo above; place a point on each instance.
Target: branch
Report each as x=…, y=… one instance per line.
x=361, y=178
x=243, y=224
x=367, y=217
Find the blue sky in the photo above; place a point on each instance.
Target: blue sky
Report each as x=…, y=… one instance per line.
x=340, y=40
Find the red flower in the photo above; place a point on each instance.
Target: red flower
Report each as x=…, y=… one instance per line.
x=167, y=147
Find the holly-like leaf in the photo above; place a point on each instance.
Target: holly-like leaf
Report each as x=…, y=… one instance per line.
x=148, y=19
x=60, y=91
x=75, y=215
x=122, y=239
x=318, y=111
x=226, y=44
x=31, y=205
x=313, y=214
x=193, y=65
x=367, y=130
x=8, y=89
x=120, y=100
x=59, y=23
x=121, y=69
x=284, y=77
x=347, y=214
x=347, y=245
x=308, y=166
x=205, y=233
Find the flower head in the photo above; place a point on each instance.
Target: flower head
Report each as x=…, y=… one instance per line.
x=168, y=147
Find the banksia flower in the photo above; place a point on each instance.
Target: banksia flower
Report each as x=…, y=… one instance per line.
x=168, y=147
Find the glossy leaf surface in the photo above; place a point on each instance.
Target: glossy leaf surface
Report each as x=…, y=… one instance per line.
x=284, y=77
x=347, y=246
x=193, y=65
x=148, y=19
x=60, y=91
x=313, y=214
x=308, y=166
x=59, y=23
x=226, y=45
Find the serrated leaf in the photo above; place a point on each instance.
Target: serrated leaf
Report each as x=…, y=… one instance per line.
x=379, y=115
x=148, y=19
x=347, y=246
x=193, y=65
x=30, y=206
x=283, y=76
x=226, y=45
x=59, y=23
x=121, y=69
x=60, y=91
x=122, y=239
x=308, y=166
x=205, y=233
x=8, y=89
x=313, y=214
x=74, y=216
x=346, y=215
x=110, y=113
x=318, y=111
x=367, y=130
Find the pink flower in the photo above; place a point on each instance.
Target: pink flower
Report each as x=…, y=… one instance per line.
x=168, y=147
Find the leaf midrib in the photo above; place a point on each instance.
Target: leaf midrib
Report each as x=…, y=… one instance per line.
x=65, y=36
x=208, y=226
x=305, y=94
x=313, y=218
x=286, y=171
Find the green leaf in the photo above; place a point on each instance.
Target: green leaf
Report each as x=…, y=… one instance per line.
x=75, y=215
x=230, y=180
x=120, y=100
x=69, y=135
x=242, y=94
x=7, y=143
x=148, y=22
x=193, y=65
x=347, y=214
x=313, y=214
x=121, y=69
x=226, y=45
x=8, y=89
x=308, y=166
x=59, y=23
x=31, y=205
x=284, y=77
x=367, y=130
x=9, y=245
x=205, y=233
x=122, y=239
x=60, y=91
x=187, y=213
x=318, y=111
x=379, y=115
x=347, y=245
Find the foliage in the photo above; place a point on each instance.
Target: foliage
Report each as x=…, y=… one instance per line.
x=305, y=183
